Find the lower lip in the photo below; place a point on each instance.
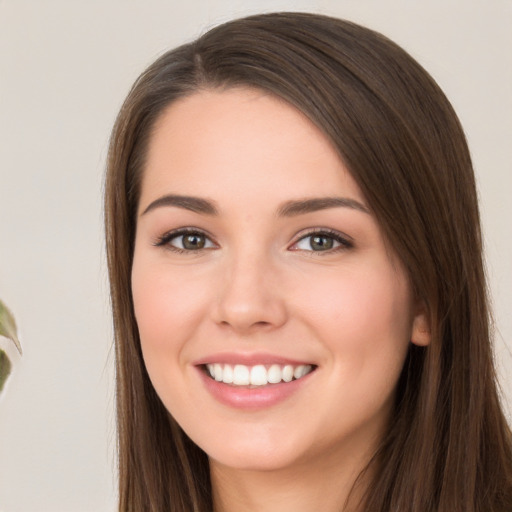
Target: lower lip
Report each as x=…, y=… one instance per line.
x=252, y=398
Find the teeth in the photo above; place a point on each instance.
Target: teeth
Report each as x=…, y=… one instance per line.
x=300, y=371
x=217, y=372
x=288, y=373
x=258, y=375
x=274, y=374
x=227, y=374
x=241, y=375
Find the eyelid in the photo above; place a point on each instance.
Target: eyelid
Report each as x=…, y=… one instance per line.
x=345, y=241
x=163, y=240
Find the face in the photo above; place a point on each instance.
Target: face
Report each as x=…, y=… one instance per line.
x=274, y=319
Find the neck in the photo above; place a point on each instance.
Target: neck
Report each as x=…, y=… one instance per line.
x=324, y=485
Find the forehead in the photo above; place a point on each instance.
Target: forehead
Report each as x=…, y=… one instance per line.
x=239, y=143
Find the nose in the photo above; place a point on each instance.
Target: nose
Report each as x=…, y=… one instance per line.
x=249, y=297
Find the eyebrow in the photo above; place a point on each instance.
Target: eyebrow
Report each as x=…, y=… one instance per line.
x=194, y=204
x=302, y=206
x=288, y=209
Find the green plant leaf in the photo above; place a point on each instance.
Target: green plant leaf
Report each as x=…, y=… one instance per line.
x=8, y=326
x=5, y=368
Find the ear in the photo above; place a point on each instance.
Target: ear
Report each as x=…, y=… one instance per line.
x=420, y=332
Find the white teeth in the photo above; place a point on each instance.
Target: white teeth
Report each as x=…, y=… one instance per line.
x=241, y=375
x=274, y=374
x=258, y=375
x=288, y=373
x=227, y=375
x=298, y=372
x=217, y=372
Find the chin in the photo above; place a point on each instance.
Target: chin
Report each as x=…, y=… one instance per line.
x=258, y=453
x=254, y=461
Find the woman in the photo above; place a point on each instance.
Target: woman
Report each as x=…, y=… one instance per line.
x=298, y=293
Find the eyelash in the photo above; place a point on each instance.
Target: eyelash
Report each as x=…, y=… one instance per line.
x=344, y=242
x=165, y=240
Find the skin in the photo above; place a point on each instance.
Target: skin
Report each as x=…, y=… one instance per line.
x=259, y=287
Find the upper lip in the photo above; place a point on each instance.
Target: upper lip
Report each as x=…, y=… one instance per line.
x=252, y=359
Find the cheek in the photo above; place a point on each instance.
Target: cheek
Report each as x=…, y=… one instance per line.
x=165, y=302
x=169, y=306
x=365, y=324
x=364, y=318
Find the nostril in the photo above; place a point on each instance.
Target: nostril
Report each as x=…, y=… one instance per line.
x=245, y=326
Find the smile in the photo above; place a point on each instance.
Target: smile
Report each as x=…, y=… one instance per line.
x=258, y=375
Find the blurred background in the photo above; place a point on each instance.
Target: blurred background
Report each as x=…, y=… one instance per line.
x=65, y=68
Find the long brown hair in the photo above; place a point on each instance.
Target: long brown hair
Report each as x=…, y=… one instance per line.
x=448, y=448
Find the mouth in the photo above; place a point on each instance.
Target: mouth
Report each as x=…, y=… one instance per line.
x=257, y=375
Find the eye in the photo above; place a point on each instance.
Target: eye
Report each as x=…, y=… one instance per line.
x=322, y=241
x=185, y=241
